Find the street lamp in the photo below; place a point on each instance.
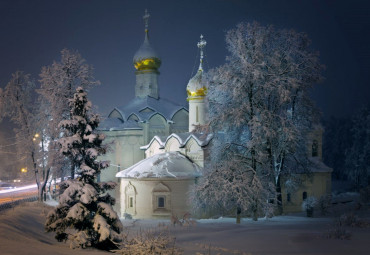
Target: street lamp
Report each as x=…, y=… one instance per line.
x=35, y=136
x=24, y=170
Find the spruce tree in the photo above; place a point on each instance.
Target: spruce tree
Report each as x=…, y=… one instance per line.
x=84, y=215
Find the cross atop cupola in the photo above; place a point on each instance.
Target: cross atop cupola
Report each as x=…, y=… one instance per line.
x=146, y=20
x=201, y=44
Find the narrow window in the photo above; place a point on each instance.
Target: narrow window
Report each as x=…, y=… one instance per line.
x=131, y=202
x=288, y=197
x=196, y=114
x=315, y=148
x=304, y=195
x=160, y=202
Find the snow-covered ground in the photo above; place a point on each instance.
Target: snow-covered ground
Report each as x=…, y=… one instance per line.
x=22, y=232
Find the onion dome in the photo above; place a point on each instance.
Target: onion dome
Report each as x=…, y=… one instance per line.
x=146, y=58
x=196, y=88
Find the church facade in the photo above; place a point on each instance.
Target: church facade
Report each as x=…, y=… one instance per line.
x=133, y=125
x=156, y=157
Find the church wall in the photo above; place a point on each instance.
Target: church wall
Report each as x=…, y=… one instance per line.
x=195, y=152
x=153, y=149
x=172, y=144
x=146, y=83
x=180, y=122
x=176, y=201
x=315, y=137
x=196, y=113
x=125, y=148
x=125, y=151
x=317, y=185
x=157, y=125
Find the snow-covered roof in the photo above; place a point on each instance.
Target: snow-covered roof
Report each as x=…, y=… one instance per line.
x=201, y=139
x=164, y=165
x=318, y=166
x=144, y=109
x=115, y=124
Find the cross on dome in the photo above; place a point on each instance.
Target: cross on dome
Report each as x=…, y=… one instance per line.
x=146, y=20
x=201, y=44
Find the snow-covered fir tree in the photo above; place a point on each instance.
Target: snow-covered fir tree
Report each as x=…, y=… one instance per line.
x=84, y=215
x=57, y=84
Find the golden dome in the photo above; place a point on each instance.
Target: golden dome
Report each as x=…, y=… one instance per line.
x=198, y=93
x=147, y=64
x=146, y=58
x=195, y=87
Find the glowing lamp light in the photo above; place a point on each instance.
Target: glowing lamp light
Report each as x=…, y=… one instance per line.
x=24, y=170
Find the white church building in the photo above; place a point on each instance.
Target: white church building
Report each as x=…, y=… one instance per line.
x=154, y=185
x=156, y=157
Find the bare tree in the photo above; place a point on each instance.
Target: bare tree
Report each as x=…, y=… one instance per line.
x=58, y=83
x=259, y=98
x=18, y=105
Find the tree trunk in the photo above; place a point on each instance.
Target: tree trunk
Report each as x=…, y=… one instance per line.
x=255, y=214
x=279, y=199
x=72, y=170
x=41, y=186
x=238, y=215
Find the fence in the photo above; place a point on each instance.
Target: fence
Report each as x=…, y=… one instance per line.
x=12, y=204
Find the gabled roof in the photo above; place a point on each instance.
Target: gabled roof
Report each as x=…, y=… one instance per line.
x=200, y=138
x=318, y=166
x=164, y=165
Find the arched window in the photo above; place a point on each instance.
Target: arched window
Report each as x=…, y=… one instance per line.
x=304, y=195
x=197, y=114
x=130, y=206
x=315, y=148
x=161, y=199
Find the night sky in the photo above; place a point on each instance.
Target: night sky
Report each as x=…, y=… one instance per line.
x=108, y=33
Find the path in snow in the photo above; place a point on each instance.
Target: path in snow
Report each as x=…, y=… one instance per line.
x=22, y=232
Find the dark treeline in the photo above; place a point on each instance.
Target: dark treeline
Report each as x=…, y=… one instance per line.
x=346, y=148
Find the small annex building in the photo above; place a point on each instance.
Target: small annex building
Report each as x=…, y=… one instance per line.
x=159, y=185
x=156, y=187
